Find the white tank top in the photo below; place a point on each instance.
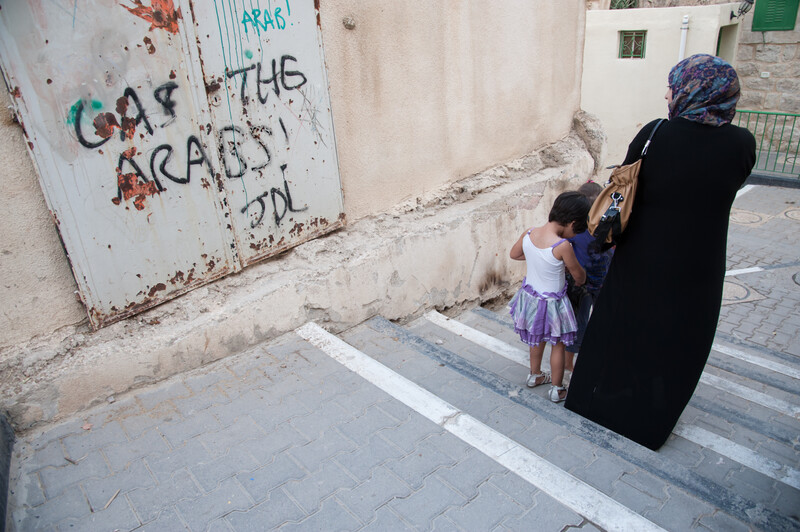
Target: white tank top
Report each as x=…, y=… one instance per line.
x=545, y=271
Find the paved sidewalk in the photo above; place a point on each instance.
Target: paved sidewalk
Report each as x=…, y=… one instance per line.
x=285, y=436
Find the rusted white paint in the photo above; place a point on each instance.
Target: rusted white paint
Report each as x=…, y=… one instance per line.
x=264, y=72
x=128, y=154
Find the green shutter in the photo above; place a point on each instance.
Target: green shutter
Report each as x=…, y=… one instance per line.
x=775, y=15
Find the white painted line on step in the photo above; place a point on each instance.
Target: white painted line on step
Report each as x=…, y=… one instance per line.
x=477, y=337
x=740, y=454
x=754, y=269
x=744, y=190
x=749, y=394
x=758, y=361
x=566, y=489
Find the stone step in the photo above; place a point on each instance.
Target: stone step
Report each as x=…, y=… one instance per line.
x=505, y=379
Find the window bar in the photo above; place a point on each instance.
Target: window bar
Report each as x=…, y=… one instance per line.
x=797, y=146
x=771, y=142
x=781, y=145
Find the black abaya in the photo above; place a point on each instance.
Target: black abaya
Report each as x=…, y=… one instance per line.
x=654, y=320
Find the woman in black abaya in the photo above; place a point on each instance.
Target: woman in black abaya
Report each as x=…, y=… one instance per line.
x=654, y=320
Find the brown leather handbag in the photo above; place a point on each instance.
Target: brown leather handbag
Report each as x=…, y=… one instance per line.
x=610, y=212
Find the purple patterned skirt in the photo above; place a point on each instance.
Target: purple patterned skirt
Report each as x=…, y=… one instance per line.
x=544, y=317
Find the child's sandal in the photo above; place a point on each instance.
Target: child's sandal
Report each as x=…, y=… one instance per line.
x=532, y=379
x=558, y=393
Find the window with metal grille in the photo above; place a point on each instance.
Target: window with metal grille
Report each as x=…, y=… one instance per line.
x=775, y=15
x=624, y=4
x=632, y=44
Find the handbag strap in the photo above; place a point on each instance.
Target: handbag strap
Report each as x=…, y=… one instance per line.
x=652, y=133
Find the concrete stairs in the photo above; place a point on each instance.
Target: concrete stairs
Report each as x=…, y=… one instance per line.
x=731, y=464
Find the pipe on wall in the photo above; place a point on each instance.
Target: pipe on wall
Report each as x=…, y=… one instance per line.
x=684, y=32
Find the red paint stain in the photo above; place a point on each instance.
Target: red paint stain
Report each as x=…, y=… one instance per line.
x=213, y=87
x=157, y=288
x=160, y=14
x=148, y=42
x=128, y=126
x=104, y=125
x=130, y=186
x=172, y=74
x=122, y=105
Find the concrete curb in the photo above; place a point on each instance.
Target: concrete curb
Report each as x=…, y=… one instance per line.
x=772, y=181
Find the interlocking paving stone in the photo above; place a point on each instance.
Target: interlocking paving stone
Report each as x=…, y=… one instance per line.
x=165, y=465
x=425, y=458
x=432, y=498
x=680, y=512
x=167, y=520
x=488, y=509
x=135, y=425
x=332, y=516
x=545, y=514
x=120, y=455
x=57, y=479
x=470, y=473
x=331, y=443
x=371, y=495
x=149, y=503
x=243, y=429
x=178, y=431
x=100, y=491
x=260, y=482
x=226, y=498
x=386, y=519
x=375, y=451
x=95, y=438
x=70, y=504
x=152, y=396
x=311, y=491
x=118, y=516
x=264, y=449
x=275, y=509
x=234, y=462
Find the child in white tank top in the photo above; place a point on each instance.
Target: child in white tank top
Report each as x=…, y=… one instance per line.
x=541, y=310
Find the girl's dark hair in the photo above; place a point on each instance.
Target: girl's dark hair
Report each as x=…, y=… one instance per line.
x=571, y=207
x=591, y=190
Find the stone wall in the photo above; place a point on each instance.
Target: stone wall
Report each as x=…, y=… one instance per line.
x=768, y=64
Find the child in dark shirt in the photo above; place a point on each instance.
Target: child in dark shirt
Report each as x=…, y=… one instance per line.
x=596, y=263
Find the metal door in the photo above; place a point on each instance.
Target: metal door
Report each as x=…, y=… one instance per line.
x=265, y=78
x=153, y=192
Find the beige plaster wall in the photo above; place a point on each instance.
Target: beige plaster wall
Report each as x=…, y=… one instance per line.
x=426, y=92
x=37, y=289
x=627, y=93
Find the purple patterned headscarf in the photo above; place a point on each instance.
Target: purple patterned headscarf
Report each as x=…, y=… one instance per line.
x=705, y=89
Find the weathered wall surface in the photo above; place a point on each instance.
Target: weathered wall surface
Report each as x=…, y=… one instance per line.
x=449, y=248
x=425, y=92
x=37, y=290
x=422, y=95
x=777, y=55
